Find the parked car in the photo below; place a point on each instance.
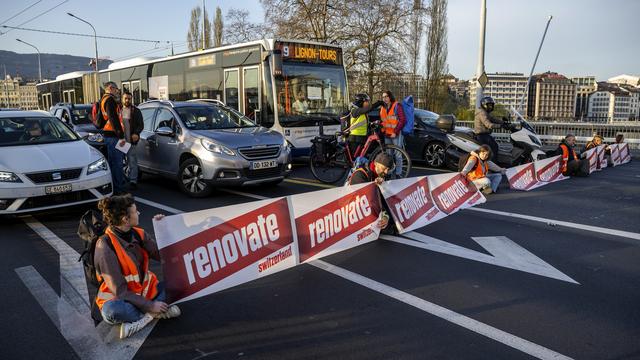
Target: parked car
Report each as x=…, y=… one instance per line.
x=427, y=142
x=204, y=144
x=45, y=165
x=78, y=118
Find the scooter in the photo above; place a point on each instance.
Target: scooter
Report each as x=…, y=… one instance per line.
x=524, y=146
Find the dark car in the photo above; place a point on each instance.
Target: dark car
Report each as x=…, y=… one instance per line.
x=77, y=117
x=427, y=142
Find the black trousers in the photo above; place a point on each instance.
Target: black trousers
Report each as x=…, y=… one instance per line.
x=355, y=141
x=577, y=168
x=487, y=139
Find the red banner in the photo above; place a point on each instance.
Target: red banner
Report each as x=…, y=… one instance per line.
x=452, y=192
x=549, y=170
x=523, y=177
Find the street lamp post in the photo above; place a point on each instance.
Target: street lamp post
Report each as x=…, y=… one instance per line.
x=39, y=66
x=95, y=40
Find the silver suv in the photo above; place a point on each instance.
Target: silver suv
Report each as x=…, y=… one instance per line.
x=205, y=144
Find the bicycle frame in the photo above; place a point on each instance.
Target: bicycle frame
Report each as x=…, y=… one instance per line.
x=361, y=151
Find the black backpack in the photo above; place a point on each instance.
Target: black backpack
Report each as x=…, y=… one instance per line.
x=90, y=229
x=462, y=162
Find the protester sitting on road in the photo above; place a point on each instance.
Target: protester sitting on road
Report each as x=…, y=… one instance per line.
x=595, y=142
x=619, y=138
x=572, y=165
x=376, y=171
x=130, y=293
x=477, y=170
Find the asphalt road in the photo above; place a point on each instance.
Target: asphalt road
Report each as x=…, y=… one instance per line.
x=390, y=299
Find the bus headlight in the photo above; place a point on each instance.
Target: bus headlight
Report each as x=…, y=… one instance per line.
x=216, y=148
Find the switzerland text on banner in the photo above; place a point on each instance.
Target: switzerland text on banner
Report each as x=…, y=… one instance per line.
x=625, y=154
x=549, y=170
x=592, y=156
x=602, y=156
x=410, y=203
x=523, y=177
x=211, y=250
x=452, y=192
x=615, y=154
x=333, y=220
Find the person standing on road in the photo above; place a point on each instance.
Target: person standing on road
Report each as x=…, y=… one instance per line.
x=572, y=165
x=392, y=120
x=359, y=121
x=133, y=126
x=484, y=123
x=129, y=293
x=113, y=133
x=477, y=171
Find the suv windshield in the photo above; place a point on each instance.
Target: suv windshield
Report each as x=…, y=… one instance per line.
x=33, y=130
x=210, y=117
x=311, y=92
x=81, y=115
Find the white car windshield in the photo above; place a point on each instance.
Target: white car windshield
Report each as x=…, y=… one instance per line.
x=210, y=117
x=15, y=131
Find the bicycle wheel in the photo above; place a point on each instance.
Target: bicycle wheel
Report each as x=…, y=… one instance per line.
x=398, y=155
x=328, y=169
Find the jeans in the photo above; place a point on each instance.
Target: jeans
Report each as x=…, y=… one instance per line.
x=398, y=141
x=132, y=161
x=119, y=311
x=491, y=180
x=115, y=158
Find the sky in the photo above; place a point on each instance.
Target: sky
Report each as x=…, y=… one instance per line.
x=586, y=37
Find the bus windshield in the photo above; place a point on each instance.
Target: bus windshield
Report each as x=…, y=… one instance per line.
x=308, y=93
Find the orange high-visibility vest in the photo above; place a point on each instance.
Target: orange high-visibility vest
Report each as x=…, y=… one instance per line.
x=108, y=126
x=389, y=120
x=479, y=171
x=565, y=156
x=148, y=288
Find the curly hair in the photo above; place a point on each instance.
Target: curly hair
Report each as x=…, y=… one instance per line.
x=114, y=208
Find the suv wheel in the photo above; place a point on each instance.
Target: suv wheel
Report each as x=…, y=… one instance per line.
x=434, y=154
x=191, y=179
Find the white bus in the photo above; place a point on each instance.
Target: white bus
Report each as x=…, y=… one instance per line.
x=289, y=86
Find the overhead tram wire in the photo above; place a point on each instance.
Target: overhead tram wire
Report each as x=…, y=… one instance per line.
x=35, y=17
x=84, y=35
x=23, y=10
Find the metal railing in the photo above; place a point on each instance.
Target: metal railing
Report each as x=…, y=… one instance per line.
x=551, y=133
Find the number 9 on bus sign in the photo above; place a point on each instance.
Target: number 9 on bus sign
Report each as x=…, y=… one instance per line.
x=285, y=50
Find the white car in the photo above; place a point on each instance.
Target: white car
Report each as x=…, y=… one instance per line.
x=45, y=165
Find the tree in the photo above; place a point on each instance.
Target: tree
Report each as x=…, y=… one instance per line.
x=218, y=28
x=436, y=56
x=240, y=29
x=194, y=35
x=317, y=20
x=415, y=33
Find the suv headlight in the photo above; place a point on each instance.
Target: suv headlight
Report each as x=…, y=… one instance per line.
x=100, y=165
x=216, y=148
x=9, y=177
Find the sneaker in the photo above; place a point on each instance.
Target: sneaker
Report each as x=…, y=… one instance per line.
x=128, y=329
x=173, y=311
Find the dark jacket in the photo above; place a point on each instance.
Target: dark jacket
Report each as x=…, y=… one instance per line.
x=113, y=116
x=137, y=124
x=364, y=175
x=483, y=123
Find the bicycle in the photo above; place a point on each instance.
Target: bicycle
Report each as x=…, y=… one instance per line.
x=330, y=159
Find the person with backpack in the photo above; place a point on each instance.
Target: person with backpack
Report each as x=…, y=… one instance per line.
x=572, y=165
x=133, y=126
x=393, y=120
x=113, y=134
x=129, y=293
x=359, y=120
x=477, y=170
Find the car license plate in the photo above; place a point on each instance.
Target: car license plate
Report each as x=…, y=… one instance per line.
x=57, y=189
x=257, y=165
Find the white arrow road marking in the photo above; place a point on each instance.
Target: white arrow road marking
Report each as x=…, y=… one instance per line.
x=468, y=323
x=505, y=253
x=71, y=312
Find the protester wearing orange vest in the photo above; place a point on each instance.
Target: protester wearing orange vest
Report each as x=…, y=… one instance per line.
x=129, y=293
x=572, y=165
x=113, y=133
x=392, y=120
x=477, y=170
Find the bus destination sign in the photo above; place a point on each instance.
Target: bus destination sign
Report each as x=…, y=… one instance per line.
x=310, y=53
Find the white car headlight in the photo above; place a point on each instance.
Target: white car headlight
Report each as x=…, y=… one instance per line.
x=100, y=165
x=216, y=148
x=10, y=177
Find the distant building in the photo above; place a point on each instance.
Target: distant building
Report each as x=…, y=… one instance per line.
x=552, y=96
x=585, y=86
x=626, y=80
x=460, y=89
x=401, y=85
x=16, y=93
x=614, y=102
x=505, y=88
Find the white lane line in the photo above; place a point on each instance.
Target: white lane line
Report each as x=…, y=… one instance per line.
x=253, y=196
x=158, y=205
x=627, y=234
x=431, y=169
x=443, y=313
x=498, y=335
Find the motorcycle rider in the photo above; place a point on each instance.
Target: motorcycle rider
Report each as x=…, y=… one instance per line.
x=484, y=124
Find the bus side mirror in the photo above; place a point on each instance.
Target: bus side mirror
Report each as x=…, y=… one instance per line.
x=277, y=64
